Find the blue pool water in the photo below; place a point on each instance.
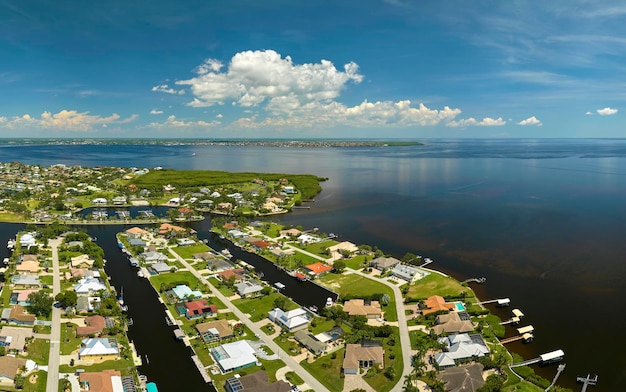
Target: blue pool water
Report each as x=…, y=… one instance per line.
x=459, y=306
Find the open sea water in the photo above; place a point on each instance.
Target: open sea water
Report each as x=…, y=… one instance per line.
x=543, y=220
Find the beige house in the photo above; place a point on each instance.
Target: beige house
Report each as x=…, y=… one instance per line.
x=336, y=250
x=9, y=368
x=360, y=307
x=215, y=330
x=29, y=267
x=82, y=261
x=358, y=356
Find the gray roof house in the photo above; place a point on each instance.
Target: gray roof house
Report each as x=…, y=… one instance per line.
x=408, y=272
x=159, y=268
x=153, y=257
x=136, y=242
x=384, y=263
x=248, y=289
x=310, y=342
x=25, y=280
x=463, y=378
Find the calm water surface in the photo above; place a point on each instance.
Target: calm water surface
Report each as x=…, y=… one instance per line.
x=543, y=220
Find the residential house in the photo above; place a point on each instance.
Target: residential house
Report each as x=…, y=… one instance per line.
x=100, y=201
x=290, y=233
x=159, y=268
x=358, y=356
x=75, y=244
x=461, y=347
x=384, y=263
x=436, y=303
x=9, y=368
x=17, y=315
x=408, y=272
x=256, y=382
x=28, y=267
x=305, y=239
x=27, y=240
x=463, y=378
x=454, y=322
x=136, y=232
x=20, y=297
x=104, y=381
x=89, y=286
x=234, y=356
x=153, y=257
x=337, y=251
x=119, y=200
x=249, y=289
x=183, y=292
x=14, y=338
x=167, y=229
x=82, y=261
x=291, y=320
x=136, y=242
x=196, y=309
x=27, y=257
x=361, y=307
x=318, y=268
x=25, y=281
x=93, y=326
x=86, y=303
x=215, y=330
x=185, y=242
x=237, y=275
x=310, y=342
x=235, y=233
x=99, y=349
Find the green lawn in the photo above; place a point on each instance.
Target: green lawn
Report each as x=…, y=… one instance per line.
x=318, y=247
x=125, y=366
x=39, y=385
x=69, y=341
x=379, y=382
x=186, y=252
x=6, y=296
x=176, y=278
x=321, y=325
x=39, y=351
x=356, y=263
x=354, y=285
x=327, y=370
x=293, y=378
x=435, y=284
x=287, y=343
x=258, y=308
x=221, y=287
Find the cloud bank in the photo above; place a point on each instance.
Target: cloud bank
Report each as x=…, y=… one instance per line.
x=607, y=111
x=530, y=121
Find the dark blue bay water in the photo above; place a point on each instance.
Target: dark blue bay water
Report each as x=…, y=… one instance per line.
x=543, y=220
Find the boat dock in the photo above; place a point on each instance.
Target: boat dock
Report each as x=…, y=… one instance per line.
x=589, y=380
x=480, y=280
x=527, y=337
x=136, y=357
x=146, y=213
x=169, y=319
x=498, y=302
x=552, y=356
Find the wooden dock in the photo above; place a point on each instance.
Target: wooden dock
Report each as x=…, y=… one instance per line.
x=201, y=368
x=527, y=337
x=559, y=370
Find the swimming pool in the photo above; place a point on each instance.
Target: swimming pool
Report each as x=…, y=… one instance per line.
x=459, y=306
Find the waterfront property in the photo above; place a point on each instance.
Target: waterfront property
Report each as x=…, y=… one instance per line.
x=463, y=378
x=461, y=347
x=196, y=309
x=408, y=273
x=93, y=326
x=159, y=268
x=291, y=320
x=183, y=292
x=310, y=342
x=358, y=356
x=249, y=289
x=318, y=269
x=384, y=263
x=436, y=303
x=99, y=349
x=104, y=381
x=256, y=382
x=234, y=356
x=215, y=330
x=454, y=322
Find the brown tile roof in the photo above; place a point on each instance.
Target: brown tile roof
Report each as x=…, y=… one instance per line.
x=259, y=382
x=318, y=268
x=137, y=231
x=18, y=313
x=436, y=303
x=222, y=326
x=99, y=381
x=10, y=365
x=95, y=325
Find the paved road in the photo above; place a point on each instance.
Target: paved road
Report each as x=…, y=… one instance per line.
x=295, y=366
x=55, y=336
x=405, y=340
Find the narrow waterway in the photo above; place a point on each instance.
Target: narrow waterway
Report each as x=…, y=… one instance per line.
x=166, y=362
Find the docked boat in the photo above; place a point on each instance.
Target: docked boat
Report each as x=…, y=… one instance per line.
x=300, y=277
x=226, y=252
x=140, y=274
x=279, y=285
x=5, y=260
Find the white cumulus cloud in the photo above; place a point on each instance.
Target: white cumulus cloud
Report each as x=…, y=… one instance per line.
x=172, y=121
x=606, y=111
x=588, y=114
x=530, y=121
x=70, y=120
x=485, y=122
x=155, y=111
x=164, y=88
x=254, y=77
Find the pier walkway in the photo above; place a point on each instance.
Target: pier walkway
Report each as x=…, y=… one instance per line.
x=559, y=370
x=527, y=362
x=589, y=380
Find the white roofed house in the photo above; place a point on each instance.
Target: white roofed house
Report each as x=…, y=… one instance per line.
x=27, y=240
x=89, y=286
x=99, y=201
x=153, y=257
x=408, y=272
x=249, y=289
x=99, y=349
x=461, y=347
x=234, y=356
x=291, y=320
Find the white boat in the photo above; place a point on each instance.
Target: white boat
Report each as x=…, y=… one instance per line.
x=226, y=253
x=5, y=260
x=279, y=285
x=140, y=273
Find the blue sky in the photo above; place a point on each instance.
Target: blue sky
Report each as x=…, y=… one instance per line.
x=286, y=69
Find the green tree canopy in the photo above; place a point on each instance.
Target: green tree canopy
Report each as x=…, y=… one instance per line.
x=40, y=304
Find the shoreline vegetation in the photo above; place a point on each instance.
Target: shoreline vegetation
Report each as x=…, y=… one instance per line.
x=406, y=306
